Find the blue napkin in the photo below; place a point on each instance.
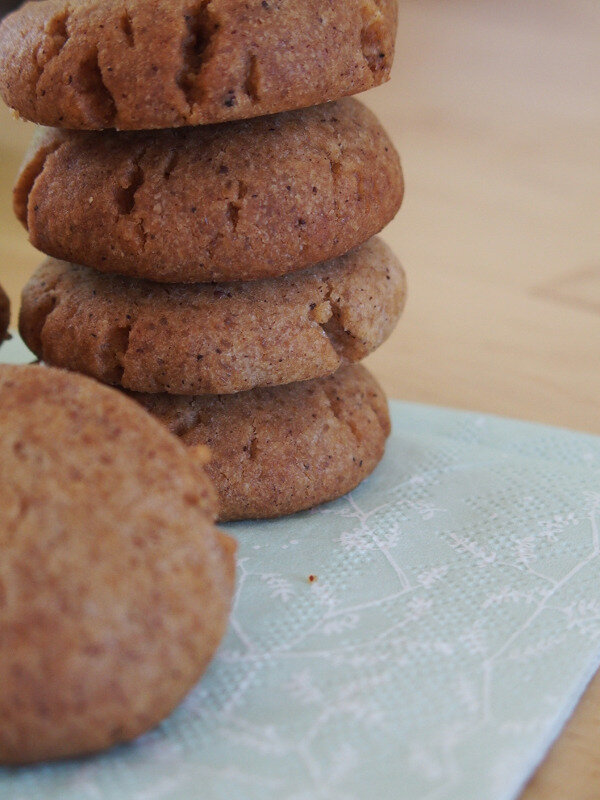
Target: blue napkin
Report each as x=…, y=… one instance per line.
x=452, y=626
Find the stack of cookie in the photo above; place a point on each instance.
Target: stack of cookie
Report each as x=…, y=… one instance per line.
x=231, y=278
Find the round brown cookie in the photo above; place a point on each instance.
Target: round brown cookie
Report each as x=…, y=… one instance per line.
x=283, y=449
x=136, y=65
x=213, y=338
x=249, y=200
x=115, y=586
x=4, y=314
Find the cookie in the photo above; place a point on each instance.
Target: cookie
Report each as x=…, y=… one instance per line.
x=136, y=65
x=283, y=449
x=4, y=314
x=213, y=338
x=242, y=201
x=115, y=586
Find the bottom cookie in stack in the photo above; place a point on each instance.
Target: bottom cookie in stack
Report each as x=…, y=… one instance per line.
x=283, y=449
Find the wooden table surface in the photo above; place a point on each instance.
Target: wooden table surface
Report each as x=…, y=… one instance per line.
x=495, y=108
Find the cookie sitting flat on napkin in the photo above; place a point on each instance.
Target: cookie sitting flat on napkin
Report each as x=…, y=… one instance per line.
x=115, y=586
x=284, y=448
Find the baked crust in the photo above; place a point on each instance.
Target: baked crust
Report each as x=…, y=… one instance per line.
x=213, y=339
x=242, y=201
x=115, y=586
x=287, y=448
x=139, y=64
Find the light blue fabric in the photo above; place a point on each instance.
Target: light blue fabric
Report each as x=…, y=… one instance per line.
x=454, y=623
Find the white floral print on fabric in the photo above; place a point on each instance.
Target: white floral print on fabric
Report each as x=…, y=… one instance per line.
x=452, y=622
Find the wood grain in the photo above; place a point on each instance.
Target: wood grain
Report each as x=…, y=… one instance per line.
x=495, y=108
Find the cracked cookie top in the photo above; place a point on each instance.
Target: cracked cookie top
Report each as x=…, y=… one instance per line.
x=283, y=449
x=213, y=338
x=241, y=201
x=140, y=64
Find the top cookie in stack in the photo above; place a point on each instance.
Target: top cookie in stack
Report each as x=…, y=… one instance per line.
x=280, y=209
x=142, y=64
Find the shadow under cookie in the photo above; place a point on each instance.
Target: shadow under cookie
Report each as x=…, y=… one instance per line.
x=4, y=314
x=213, y=339
x=287, y=448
